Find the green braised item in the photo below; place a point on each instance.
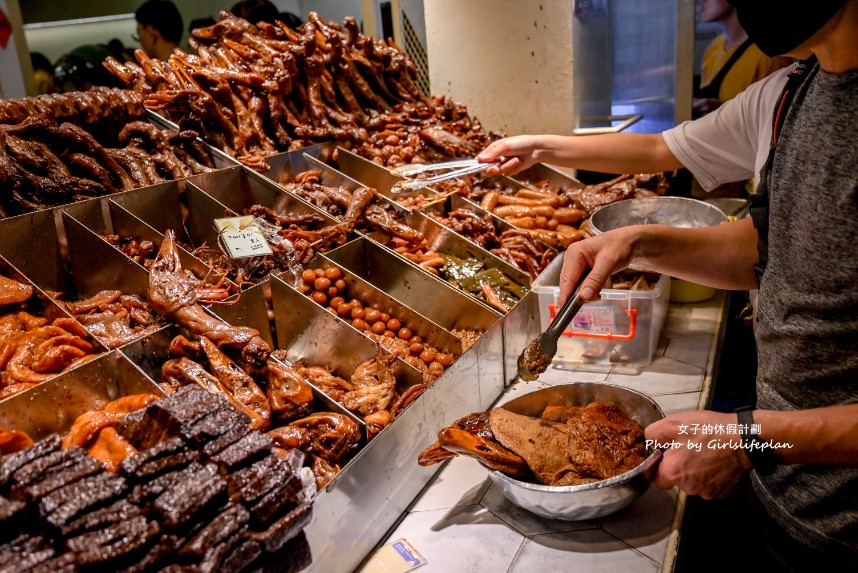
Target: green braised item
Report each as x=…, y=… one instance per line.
x=470, y=275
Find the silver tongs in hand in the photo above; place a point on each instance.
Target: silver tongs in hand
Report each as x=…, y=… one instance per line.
x=536, y=357
x=460, y=167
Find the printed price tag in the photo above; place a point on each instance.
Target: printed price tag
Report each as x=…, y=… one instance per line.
x=395, y=557
x=242, y=238
x=593, y=318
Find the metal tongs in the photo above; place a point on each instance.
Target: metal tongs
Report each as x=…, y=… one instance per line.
x=460, y=167
x=539, y=353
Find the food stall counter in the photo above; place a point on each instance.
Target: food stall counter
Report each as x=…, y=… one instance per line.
x=461, y=522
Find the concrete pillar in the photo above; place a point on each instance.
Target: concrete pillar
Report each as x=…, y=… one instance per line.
x=509, y=61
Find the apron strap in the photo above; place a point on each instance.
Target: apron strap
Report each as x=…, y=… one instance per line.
x=759, y=208
x=713, y=88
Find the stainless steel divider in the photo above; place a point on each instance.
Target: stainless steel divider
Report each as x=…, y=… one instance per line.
x=63, y=398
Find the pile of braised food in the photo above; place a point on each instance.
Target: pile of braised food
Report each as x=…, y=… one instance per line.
x=567, y=445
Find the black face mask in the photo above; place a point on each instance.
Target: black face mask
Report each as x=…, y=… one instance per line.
x=780, y=26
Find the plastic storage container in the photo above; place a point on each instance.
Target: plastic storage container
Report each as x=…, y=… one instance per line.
x=622, y=329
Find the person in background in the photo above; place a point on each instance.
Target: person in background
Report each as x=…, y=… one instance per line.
x=200, y=23
x=796, y=129
x=82, y=68
x=730, y=64
x=255, y=11
x=43, y=74
x=159, y=28
x=731, y=61
x=290, y=19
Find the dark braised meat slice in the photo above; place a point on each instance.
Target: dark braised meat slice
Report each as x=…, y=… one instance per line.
x=166, y=417
x=10, y=516
x=114, y=545
x=240, y=556
x=155, y=558
x=284, y=528
x=249, y=484
x=76, y=465
x=171, y=463
x=63, y=505
x=143, y=494
x=64, y=563
x=275, y=503
x=145, y=465
x=133, y=428
x=185, y=406
x=227, y=522
x=213, y=426
x=11, y=463
x=243, y=452
x=233, y=435
x=100, y=518
x=33, y=471
x=170, y=458
x=294, y=556
x=215, y=559
x=23, y=553
x=191, y=500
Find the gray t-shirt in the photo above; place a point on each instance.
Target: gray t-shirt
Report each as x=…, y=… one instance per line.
x=807, y=314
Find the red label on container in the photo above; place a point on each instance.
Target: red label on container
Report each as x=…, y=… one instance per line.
x=592, y=318
x=5, y=30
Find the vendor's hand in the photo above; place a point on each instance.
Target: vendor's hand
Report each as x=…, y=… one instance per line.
x=705, y=464
x=518, y=153
x=605, y=254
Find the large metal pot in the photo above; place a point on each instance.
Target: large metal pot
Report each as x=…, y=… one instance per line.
x=592, y=500
x=671, y=211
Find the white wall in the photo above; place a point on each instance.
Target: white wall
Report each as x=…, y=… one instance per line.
x=55, y=41
x=336, y=10
x=293, y=6
x=16, y=74
x=509, y=61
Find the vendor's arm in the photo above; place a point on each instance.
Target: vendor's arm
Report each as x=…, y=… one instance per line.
x=729, y=144
x=721, y=257
x=818, y=436
x=709, y=464
x=609, y=153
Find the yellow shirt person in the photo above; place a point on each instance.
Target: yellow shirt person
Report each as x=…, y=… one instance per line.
x=751, y=66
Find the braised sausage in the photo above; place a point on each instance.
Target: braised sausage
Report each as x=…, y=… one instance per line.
x=567, y=215
x=490, y=201
x=524, y=211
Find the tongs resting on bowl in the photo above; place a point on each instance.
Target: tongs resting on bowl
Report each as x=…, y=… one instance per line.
x=534, y=360
x=460, y=168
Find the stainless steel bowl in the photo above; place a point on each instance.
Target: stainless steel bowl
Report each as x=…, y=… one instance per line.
x=592, y=500
x=672, y=211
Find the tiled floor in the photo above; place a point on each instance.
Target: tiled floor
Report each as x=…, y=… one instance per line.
x=462, y=523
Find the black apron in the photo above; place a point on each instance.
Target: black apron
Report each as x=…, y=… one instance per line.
x=759, y=209
x=711, y=90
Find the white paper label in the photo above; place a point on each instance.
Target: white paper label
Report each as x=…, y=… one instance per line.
x=592, y=318
x=395, y=557
x=242, y=238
